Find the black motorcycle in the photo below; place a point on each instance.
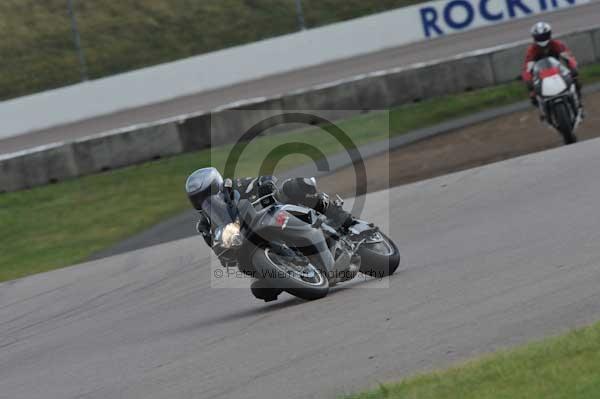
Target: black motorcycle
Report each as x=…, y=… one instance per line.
x=291, y=248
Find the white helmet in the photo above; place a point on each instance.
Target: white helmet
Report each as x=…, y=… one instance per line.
x=542, y=33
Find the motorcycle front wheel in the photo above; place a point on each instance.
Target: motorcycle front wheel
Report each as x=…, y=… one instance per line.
x=565, y=124
x=306, y=281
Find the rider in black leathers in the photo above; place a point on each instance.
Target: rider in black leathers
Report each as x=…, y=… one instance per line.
x=298, y=191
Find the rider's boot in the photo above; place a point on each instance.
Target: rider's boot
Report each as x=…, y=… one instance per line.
x=261, y=289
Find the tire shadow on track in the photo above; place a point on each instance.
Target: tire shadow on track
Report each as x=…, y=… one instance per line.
x=257, y=314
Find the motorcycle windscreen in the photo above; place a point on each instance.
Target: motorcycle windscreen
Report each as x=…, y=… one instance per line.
x=220, y=212
x=545, y=64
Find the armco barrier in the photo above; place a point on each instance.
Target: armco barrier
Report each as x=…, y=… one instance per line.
x=378, y=90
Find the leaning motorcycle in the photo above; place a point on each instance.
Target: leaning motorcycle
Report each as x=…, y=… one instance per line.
x=290, y=248
x=559, y=103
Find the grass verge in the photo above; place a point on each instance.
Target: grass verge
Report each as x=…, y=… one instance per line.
x=59, y=225
x=557, y=368
x=38, y=52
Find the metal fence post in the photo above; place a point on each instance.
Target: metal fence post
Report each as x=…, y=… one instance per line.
x=300, y=14
x=77, y=40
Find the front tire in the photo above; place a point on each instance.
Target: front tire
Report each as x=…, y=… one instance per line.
x=379, y=259
x=280, y=277
x=565, y=124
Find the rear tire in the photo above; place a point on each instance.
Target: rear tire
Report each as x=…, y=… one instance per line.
x=376, y=264
x=277, y=278
x=565, y=124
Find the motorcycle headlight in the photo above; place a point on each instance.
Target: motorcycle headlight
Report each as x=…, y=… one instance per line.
x=231, y=236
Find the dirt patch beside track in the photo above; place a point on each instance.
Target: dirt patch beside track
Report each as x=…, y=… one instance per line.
x=507, y=137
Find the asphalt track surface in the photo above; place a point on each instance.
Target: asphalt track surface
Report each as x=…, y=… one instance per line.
x=493, y=257
x=563, y=21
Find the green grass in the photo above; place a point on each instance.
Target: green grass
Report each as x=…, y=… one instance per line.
x=558, y=368
x=117, y=36
x=59, y=225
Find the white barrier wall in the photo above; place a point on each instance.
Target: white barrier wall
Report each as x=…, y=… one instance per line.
x=439, y=18
x=283, y=54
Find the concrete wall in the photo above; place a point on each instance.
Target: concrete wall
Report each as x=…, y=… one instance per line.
x=507, y=63
x=596, y=38
x=118, y=150
x=375, y=91
x=105, y=152
x=38, y=168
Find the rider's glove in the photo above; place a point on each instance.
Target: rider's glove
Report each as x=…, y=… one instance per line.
x=267, y=186
x=574, y=73
x=322, y=203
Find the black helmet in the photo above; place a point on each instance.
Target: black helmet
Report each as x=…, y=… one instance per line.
x=542, y=33
x=297, y=188
x=202, y=184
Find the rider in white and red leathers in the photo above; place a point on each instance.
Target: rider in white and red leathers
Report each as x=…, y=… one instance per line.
x=544, y=46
